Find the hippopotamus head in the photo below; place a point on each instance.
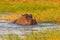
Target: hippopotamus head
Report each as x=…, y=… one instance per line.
x=25, y=19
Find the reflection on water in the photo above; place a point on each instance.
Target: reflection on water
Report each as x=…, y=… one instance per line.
x=10, y=28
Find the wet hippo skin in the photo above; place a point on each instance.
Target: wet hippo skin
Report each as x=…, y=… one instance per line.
x=25, y=19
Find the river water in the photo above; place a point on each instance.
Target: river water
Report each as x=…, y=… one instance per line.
x=9, y=28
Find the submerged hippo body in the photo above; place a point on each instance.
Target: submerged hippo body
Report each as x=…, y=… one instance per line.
x=25, y=19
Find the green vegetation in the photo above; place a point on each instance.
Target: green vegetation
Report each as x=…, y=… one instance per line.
x=28, y=7
x=11, y=37
x=39, y=35
x=45, y=35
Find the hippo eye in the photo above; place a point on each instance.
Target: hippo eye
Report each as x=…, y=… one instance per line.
x=28, y=16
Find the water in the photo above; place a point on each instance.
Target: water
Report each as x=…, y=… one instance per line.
x=39, y=25
x=9, y=28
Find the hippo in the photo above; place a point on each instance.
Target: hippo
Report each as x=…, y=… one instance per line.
x=25, y=19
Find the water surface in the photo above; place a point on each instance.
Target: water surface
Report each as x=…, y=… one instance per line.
x=9, y=28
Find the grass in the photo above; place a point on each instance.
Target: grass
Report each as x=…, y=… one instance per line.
x=45, y=35
x=39, y=35
x=10, y=37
